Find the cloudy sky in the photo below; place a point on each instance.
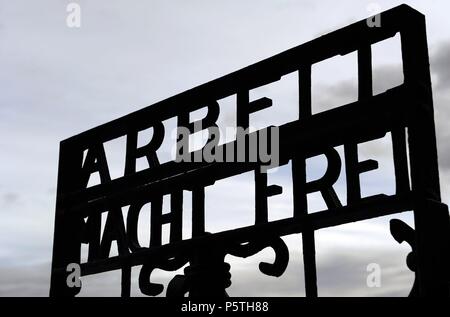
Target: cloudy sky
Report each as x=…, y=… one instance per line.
x=58, y=81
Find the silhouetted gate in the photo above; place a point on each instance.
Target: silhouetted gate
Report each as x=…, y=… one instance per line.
x=406, y=111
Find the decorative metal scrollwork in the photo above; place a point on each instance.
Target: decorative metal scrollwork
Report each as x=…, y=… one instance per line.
x=402, y=232
x=181, y=284
x=168, y=264
x=250, y=248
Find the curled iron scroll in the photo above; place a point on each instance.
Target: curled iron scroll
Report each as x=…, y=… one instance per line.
x=278, y=267
x=179, y=284
x=168, y=264
x=402, y=232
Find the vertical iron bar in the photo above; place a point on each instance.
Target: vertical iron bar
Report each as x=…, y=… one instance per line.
x=304, y=87
x=365, y=73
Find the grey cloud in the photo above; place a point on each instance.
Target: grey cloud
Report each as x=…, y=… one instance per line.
x=440, y=63
x=325, y=97
x=386, y=77
x=10, y=198
x=25, y=281
x=440, y=68
x=330, y=96
x=346, y=274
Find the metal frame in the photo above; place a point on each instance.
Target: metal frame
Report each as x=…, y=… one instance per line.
x=406, y=111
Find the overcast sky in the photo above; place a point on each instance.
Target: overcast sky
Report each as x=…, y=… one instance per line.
x=58, y=81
